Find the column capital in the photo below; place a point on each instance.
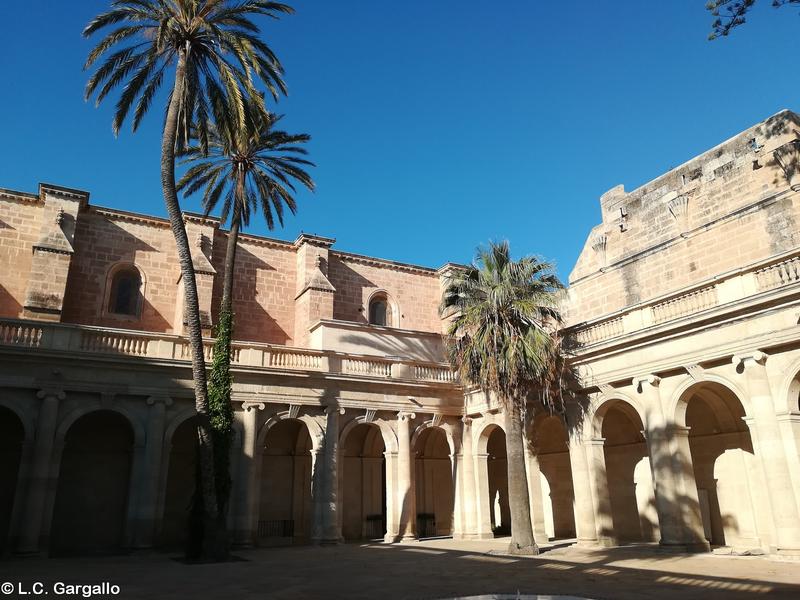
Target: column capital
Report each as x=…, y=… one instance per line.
x=749, y=359
x=51, y=393
x=248, y=406
x=466, y=420
x=333, y=407
x=403, y=416
x=164, y=400
x=641, y=382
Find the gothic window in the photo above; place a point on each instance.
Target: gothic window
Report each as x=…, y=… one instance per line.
x=125, y=296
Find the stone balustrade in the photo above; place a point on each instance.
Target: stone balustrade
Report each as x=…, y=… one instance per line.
x=125, y=344
x=723, y=291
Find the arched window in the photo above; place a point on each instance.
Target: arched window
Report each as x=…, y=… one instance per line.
x=125, y=296
x=378, y=311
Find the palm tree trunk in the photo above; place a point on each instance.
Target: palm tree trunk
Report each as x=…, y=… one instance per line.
x=211, y=537
x=522, y=541
x=230, y=252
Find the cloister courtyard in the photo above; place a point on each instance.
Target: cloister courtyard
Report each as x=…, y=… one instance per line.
x=429, y=569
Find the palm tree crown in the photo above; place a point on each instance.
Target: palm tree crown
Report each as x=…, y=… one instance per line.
x=215, y=41
x=250, y=169
x=504, y=314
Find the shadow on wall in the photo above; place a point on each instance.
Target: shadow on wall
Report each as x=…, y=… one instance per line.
x=253, y=322
x=348, y=301
x=9, y=307
x=387, y=343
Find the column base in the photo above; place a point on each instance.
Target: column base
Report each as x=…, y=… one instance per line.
x=407, y=539
x=586, y=543
x=684, y=547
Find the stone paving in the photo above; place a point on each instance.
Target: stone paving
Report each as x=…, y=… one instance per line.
x=430, y=569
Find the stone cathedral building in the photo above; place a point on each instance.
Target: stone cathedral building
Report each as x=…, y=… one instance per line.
x=350, y=425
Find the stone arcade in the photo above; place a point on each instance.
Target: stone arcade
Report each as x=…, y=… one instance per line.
x=686, y=301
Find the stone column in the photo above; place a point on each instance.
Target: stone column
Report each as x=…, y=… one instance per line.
x=246, y=517
x=392, y=508
x=535, y=495
x=330, y=532
x=770, y=449
x=595, y=453
x=40, y=474
x=676, y=514
x=406, y=499
x=483, y=500
x=585, y=525
x=466, y=475
x=686, y=488
x=144, y=532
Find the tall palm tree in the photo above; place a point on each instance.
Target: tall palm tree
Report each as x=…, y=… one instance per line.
x=212, y=50
x=250, y=169
x=247, y=169
x=501, y=339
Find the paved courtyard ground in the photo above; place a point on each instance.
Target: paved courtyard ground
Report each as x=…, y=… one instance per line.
x=429, y=569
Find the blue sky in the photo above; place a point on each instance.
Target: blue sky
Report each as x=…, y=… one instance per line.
x=437, y=125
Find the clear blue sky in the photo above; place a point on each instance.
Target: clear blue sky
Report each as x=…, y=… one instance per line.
x=437, y=125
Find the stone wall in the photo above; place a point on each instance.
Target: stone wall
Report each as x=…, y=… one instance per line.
x=724, y=209
x=270, y=284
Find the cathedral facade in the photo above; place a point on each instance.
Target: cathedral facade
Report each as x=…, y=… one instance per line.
x=685, y=301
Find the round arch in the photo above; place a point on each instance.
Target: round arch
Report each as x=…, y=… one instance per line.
x=448, y=433
x=95, y=497
x=600, y=406
x=110, y=274
x=789, y=391
x=175, y=422
x=71, y=417
x=676, y=409
x=387, y=433
x=482, y=435
x=24, y=418
x=393, y=310
x=314, y=428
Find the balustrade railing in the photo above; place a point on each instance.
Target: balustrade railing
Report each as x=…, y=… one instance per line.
x=61, y=337
x=728, y=288
x=779, y=274
x=367, y=366
x=685, y=304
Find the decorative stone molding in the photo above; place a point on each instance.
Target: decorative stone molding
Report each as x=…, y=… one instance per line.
x=200, y=261
x=696, y=372
x=165, y=400
x=788, y=158
x=607, y=389
x=599, y=246
x=436, y=419
x=640, y=382
x=369, y=416
x=51, y=393
x=679, y=209
x=751, y=358
x=406, y=416
x=334, y=407
x=294, y=411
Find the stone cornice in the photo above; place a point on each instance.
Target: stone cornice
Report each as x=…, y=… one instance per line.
x=64, y=193
x=14, y=195
x=383, y=263
x=131, y=217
